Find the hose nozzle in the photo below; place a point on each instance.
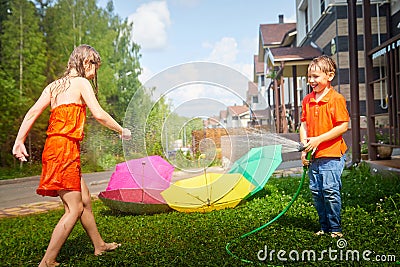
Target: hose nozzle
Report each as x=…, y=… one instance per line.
x=301, y=147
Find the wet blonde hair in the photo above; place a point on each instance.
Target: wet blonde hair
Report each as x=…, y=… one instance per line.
x=324, y=63
x=76, y=60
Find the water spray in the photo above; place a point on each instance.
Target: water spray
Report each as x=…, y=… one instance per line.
x=300, y=148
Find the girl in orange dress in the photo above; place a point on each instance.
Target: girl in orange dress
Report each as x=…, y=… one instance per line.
x=68, y=98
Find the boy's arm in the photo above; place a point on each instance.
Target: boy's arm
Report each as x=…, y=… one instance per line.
x=303, y=140
x=303, y=132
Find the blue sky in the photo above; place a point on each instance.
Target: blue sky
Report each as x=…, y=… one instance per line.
x=173, y=33
x=179, y=31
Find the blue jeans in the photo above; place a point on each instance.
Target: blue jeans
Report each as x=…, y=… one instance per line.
x=325, y=186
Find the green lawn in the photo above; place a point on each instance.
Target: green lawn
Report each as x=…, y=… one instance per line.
x=370, y=219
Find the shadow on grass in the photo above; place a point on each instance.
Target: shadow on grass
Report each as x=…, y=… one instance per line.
x=299, y=222
x=117, y=213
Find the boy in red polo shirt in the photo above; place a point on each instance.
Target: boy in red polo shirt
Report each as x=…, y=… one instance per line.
x=324, y=120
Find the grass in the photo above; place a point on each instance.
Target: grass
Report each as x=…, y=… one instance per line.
x=370, y=219
x=17, y=171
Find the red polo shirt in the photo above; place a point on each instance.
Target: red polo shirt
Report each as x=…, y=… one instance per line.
x=321, y=117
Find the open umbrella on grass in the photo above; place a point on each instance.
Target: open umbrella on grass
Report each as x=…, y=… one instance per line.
x=132, y=201
x=147, y=172
x=207, y=192
x=258, y=165
x=135, y=186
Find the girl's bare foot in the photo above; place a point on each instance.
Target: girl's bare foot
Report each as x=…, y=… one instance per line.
x=106, y=247
x=49, y=264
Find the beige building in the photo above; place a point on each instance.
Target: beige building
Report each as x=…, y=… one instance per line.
x=364, y=39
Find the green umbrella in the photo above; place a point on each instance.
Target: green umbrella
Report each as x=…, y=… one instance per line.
x=258, y=164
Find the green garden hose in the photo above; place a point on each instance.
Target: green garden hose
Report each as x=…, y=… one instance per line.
x=305, y=169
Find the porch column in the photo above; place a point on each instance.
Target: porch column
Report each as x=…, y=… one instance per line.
x=354, y=89
x=369, y=87
x=276, y=100
x=295, y=99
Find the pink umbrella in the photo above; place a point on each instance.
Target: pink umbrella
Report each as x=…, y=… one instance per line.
x=135, y=185
x=134, y=201
x=152, y=172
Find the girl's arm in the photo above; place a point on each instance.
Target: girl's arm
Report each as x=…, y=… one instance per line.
x=98, y=112
x=19, y=150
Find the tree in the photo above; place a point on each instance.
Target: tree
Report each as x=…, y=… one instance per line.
x=4, y=12
x=69, y=23
x=22, y=66
x=23, y=50
x=10, y=106
x=36, y=39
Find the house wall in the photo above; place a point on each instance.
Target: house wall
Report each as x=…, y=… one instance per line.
x=329, y=31
x=241, y=122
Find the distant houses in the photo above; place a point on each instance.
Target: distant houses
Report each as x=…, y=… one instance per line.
x=364, y=39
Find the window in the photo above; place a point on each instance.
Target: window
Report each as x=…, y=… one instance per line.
x=255, y=99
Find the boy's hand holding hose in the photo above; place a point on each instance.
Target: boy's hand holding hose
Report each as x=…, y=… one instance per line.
x=305, y=158
x=306, y=152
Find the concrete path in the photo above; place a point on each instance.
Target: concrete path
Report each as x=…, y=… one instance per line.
x=18, y=196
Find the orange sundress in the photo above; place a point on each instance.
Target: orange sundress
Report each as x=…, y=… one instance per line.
x=61, y=168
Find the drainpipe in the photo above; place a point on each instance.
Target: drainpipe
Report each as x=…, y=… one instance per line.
x=354, y=89
x=274, y=83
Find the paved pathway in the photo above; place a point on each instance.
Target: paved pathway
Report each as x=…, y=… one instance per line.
x=18, y=197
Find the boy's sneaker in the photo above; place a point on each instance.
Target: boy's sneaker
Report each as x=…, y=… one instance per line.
x=336, y=234
x=320, y=232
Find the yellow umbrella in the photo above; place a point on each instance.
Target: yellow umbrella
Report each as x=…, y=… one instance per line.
x=207, y=192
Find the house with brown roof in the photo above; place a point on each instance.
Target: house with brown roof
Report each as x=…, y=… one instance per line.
x=222, y=117
x=211, y=122
x=275, y=67
x=237, y=116
x=274, y=34
x=364, y=39
x=255, y=97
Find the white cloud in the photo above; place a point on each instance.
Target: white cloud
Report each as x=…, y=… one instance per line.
x=247, y=70
x=249, y=46
x=201, y=100
x=194, y=85
x=226, y=51
x=150, y=25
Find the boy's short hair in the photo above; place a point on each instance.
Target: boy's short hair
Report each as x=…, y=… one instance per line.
x=324, y=63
